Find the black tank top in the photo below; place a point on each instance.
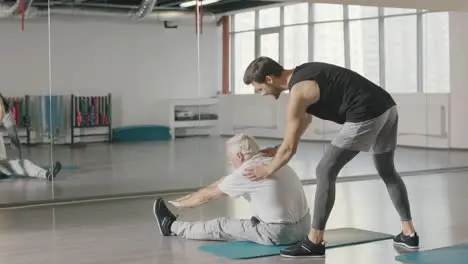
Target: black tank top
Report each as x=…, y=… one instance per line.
x=345, y=96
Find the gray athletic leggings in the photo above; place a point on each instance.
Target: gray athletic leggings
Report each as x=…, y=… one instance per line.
x=327, y=171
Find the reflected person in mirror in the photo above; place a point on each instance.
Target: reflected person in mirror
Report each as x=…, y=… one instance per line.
x=20, y=166
x=279, y=203
x=369, y=119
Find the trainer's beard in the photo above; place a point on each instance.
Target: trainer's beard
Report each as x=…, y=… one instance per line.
x=273, y=92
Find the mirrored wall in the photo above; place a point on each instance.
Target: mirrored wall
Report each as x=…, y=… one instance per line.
x=26, y=143
x=136, y=99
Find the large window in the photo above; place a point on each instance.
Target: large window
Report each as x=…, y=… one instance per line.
x=402, y=50
x=244, y=50
x=244, y=21
x=327, y=12
x=356, y=12
x=296, y=40
x=401, y=59
x=436, y=65
x=364, y=48
x=329, y=44
x=269, y=17
x=269, y=45
x=295, y=14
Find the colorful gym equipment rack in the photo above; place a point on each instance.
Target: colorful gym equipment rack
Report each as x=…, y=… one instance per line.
x=91, y=112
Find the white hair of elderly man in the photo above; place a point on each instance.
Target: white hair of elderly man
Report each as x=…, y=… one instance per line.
x=243, y=143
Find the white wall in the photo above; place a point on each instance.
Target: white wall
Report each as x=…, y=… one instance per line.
x=141, y=64
x=424, y=119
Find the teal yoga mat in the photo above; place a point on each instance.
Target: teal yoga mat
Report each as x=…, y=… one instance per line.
x=141, y=133
x=335, y=238
x=64, y=167
x=457, y=254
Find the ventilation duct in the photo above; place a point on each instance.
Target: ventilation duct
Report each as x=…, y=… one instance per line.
x=11, y=10
x=146, y=8
x=146, y=11
x=176, y=16
x=180, y=16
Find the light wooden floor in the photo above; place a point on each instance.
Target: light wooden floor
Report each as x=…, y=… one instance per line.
x=184, y=164
x=124, y=231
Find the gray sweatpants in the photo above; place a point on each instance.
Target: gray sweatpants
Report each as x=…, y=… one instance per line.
x=225, y=229
x=21, y=168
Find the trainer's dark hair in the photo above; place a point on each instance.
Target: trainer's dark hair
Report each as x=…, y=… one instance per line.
x=261, y=67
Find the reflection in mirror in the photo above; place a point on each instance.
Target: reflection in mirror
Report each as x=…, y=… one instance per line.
x=25, y=150
x=126, y=80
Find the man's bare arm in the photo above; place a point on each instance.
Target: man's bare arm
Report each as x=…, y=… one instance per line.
x=307, y=119
x=303, y=94
x=199, y=197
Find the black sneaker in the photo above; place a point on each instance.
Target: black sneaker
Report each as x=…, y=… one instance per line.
x=304, y=249
x=52, y=172
x=164, y=217
x=254, y=220
x=411, y=242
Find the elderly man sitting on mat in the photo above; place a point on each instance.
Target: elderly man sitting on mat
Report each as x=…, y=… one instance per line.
x=20, y=166
x=279, y=203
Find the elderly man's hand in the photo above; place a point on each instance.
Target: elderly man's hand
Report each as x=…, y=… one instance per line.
x=257, y=172
x=174, y=203
x=269, y=152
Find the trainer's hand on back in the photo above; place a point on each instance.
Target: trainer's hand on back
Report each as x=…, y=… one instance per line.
x=269, y=152
x=257, y=172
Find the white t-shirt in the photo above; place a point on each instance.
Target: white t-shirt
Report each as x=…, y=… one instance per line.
x=278, y=199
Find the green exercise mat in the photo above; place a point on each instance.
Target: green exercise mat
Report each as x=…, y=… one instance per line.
x=335, y=238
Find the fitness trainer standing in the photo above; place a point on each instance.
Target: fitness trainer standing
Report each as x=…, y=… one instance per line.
x=369, y=117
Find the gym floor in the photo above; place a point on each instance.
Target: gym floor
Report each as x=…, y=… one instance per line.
x=124, y=231
x=181, y=165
